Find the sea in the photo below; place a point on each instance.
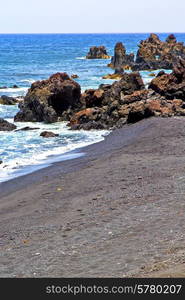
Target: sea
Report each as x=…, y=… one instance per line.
x=25, y=58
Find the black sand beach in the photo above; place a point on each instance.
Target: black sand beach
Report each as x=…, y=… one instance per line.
x=118, y=211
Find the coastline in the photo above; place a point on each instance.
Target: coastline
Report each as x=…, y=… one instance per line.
x=117, y=211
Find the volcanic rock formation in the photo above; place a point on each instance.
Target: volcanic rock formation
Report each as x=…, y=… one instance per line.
x=6, y=126
x=128, y=101
x=152, y=54
x=171, y=86
x=121, y=60
x=47, y=100
x=97, y=53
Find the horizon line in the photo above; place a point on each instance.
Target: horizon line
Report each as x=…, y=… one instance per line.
x=159, y=32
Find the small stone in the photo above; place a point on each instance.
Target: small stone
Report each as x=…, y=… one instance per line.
x=48, y=134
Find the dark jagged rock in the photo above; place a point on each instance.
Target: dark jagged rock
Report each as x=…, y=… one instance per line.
x=127, y=100
x=5, y=100
x=92, y=97
x=103, y=105
x=48, y=134
x=91, y=125
x=152, y=54
x=121, y=60
x=139, y=112
x=155, y=54
x=85, y=116
x=6, y=126
x=73, y=76
x=171, y=86
x=134, y=97
x=98, y=53
x=171, y=39
x=48, y=100
x=128, y=84
x=106, y=94
x=111, y=105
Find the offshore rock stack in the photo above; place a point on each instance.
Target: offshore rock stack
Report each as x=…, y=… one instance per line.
x=152, y=54
x=98, y=53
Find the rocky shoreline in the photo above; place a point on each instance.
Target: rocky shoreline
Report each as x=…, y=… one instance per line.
x=111, y=106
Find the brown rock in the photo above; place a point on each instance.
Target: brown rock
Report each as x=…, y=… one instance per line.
x=120, y=58
x=113, y=76
x=171, y=39
x=74, y=76
x=138, y=112
x=92, y=97
x=6, y=100
x=47, y=100
x=48, y=134
x=172, y=86
x=6, y=126
x=134, y=97
x=155, y=54
x=83, y=115
x=98, y=53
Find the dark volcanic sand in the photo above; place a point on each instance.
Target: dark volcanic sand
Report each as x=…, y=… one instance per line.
x=116, y=212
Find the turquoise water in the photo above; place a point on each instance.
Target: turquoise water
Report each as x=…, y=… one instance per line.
x=26, y=58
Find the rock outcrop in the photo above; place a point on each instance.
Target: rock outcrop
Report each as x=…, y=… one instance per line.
x=109, y=106
x=98, y=53
x=171, y=86
x=6, y=126
x=128, y=101
x=155, y=54
x=48, y=134
x=48, y=100
x=121, y=60
x=5, y=100
x=102, y=106
x=73, y=76
x=152, y=54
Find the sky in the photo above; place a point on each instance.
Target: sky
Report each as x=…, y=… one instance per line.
x=96, y=16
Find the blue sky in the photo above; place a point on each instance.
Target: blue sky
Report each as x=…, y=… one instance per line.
x=82, y=16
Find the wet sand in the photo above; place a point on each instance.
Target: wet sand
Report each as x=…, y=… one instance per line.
x=117, y=211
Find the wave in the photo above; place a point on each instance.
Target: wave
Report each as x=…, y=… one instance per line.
x=36, y=156
x=81, y=58
x=27, y=80
x=14, y=91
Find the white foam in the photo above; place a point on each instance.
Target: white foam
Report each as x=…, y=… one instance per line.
x=27, y=80
x=147, y=80
x=82, y=57
x=15, y=91
x=37, y=155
